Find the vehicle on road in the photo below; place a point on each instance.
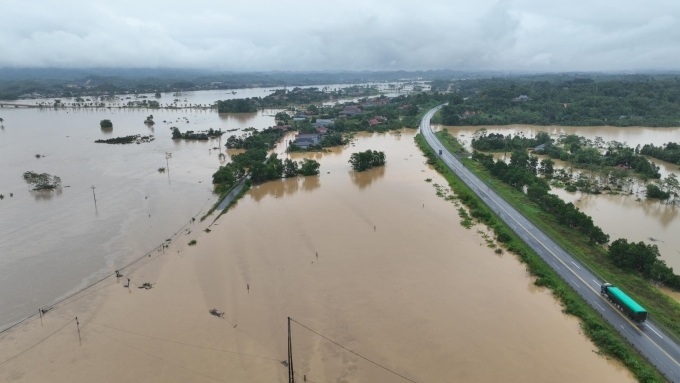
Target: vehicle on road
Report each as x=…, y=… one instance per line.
x=624, y=302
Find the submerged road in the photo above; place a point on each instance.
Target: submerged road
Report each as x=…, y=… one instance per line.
x=648, y=338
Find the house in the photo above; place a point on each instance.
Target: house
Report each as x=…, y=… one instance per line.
x=377, y=120
x=540, y=148
x=349, y=111
x=322, y=123
x=522, y=98
x=305, y=140
x=321, y=130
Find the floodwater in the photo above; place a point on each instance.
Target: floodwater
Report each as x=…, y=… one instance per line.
x=621, y=216
x=631, y=136
x=374, y=261
x=378, y=263
x=55, y=242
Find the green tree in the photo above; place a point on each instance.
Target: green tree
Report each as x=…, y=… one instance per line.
x=176, y=133
x=672, y=184
x=290, y=168
x=282, y=116
x=547, y=167
x=106, y=124
x=309, y=167
x=365, y=160
x=655, y=192
x=42, y=181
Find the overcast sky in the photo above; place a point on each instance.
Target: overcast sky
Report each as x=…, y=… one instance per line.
x=520, y=35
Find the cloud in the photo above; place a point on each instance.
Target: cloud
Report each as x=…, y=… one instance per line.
x=531, y=35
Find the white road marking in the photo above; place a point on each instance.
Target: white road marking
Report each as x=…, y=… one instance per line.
x=602, y=308
x=655, y=332
x=577, y=266
x=596, y=282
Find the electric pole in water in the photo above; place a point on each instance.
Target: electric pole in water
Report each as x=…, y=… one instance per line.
x=168, y=156
x=291, y=374
x=95, y=198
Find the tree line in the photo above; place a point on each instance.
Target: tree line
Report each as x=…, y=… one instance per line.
x=572, y=148
x=627, y=101
x=522, y=172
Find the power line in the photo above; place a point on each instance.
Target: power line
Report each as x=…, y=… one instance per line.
x=182, y=343
x=162, y=359
x=37, y=343
x=355, y=353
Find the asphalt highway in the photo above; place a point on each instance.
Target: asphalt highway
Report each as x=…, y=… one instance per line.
x=648, y=338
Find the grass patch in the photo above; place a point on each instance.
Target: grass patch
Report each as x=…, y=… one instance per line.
x=192, y=242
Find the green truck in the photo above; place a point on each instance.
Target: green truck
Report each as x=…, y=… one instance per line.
x=625, y=303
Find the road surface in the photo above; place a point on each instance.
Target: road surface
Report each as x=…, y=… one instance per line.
x=648, y=338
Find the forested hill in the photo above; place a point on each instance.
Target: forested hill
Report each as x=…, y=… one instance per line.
x=631, y=101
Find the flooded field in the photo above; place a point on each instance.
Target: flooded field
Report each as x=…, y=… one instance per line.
x=621, y=216
x=373, y=261
x=55, y=242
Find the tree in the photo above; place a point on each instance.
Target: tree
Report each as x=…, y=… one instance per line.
x=547, y=167
x=290, y=168
x=365, y=160
x=1, y=121
x=42, y=181
x=105, y=124
x=672, y=184
x=176, y=133
x=309, y=167
x=655, y=192
x=312, y=109
x=283, y=117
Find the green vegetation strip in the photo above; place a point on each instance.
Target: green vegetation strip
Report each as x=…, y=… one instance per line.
x=604, y=336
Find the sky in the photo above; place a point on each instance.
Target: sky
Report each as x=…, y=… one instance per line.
x=320, y=35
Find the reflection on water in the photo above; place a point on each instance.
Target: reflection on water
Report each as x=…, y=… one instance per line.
x=239, y=117
x=632, y=217
x=46, y=195
x=365, y=178
x=286, y=187
x=310, y=183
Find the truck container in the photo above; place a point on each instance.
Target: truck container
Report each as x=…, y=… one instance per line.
x=625, y=303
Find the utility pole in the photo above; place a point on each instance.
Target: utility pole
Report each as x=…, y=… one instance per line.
x=168, y=156
x=80, y=341
x=291, y=374
x=95, y=198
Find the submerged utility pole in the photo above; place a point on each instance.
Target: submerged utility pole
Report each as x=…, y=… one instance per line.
x=168, y=156
x=291, y=374
x=95, y=198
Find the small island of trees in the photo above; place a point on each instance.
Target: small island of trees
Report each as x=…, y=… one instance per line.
x=106, y=124
x=191, y=135
x=42, y=181
x=366, y=160
x=136, y=138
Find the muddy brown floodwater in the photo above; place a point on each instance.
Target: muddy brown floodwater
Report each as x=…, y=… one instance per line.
x=397, y=279
x=374, y=261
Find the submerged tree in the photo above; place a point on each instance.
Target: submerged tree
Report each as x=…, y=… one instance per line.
x=105, y=124
x=365, y=160
x=42, y=181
